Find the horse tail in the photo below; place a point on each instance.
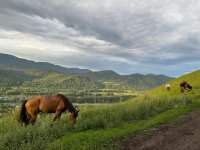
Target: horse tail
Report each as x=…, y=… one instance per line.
x=23, y=116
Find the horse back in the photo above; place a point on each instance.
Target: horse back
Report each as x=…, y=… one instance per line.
x=51, y=104
x=45, y=104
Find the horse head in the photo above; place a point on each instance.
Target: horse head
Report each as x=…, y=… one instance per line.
x=74, y=115
x=185, y=86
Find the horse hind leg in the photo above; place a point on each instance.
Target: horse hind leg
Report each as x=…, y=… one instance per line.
x=28, y=119
x=33, y=117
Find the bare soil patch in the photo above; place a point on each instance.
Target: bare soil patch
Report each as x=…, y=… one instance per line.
x=182, y=135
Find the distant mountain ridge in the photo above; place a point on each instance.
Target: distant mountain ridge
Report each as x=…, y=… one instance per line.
x=10, y=61
x=15, y=70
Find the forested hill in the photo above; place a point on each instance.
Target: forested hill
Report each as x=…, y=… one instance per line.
x=37, y=81
x=102, y=76
x=46, y=79
x=12, y=62
x=136, y=81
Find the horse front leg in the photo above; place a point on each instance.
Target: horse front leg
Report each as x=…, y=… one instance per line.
x=57, y=115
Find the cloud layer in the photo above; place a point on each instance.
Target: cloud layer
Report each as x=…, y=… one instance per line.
x=128, y=36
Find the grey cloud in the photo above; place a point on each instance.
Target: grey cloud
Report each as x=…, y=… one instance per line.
x=145, y=32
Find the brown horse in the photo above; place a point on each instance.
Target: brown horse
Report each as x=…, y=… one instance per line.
x=53, y=104
x=185, y=86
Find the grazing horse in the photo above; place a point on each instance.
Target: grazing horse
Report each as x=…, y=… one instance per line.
x=185, y=86
x=52, y=104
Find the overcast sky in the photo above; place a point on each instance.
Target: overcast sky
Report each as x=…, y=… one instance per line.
x=127, y=36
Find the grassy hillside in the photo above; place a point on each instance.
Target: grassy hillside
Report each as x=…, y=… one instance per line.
x=99, y=125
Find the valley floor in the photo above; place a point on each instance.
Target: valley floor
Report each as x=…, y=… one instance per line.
x=181, y=135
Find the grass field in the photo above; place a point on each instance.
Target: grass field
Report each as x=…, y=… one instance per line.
x=98, y=126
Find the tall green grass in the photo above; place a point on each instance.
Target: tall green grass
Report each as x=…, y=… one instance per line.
x=110, y=138
x=13, y=135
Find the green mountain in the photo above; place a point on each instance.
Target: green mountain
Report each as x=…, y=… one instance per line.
x=102, y=76
x=21, y=72
x=13, y=77
x=142, y=82
x=36, y=76
x=136, y=81
x=56, y=80
x=12, y=62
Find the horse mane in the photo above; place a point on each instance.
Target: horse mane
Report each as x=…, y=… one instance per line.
x=67, y=102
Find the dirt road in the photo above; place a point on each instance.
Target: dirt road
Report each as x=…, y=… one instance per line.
x=182, y=135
